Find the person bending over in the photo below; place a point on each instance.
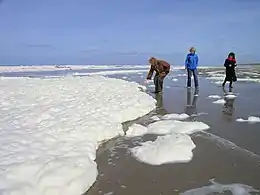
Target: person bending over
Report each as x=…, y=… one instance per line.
x=191, y=64
x=161, y=69
x=230, y=64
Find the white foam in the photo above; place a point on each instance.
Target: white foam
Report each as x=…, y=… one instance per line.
x=50, y=130
x=168, y=127
x=67, y=67
x=235, y=189
x=214, y=96
x=155, y=118
x=230, y=96
x=165, y=149
x=109, y=72
x=173, y=126
x=149, y=81
x=219, y=82
x=175, y=116
x=136, y=130
x=181, y=75
x=175, y=146
x=221, y=101
x=251, y=119
x=219, y=78
x=174, y=79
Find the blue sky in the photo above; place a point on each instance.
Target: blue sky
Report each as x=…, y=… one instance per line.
x=127, y=31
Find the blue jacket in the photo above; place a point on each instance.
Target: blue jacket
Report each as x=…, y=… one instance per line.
x=191, y=61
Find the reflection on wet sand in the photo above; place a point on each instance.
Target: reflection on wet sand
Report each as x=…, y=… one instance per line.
x=228, y=107
x=191, y=105
x=159, y=105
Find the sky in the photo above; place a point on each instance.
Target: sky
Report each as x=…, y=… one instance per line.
x=127, y=31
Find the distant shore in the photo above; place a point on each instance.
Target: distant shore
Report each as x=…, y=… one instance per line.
x=27, y=68
x=4, y=68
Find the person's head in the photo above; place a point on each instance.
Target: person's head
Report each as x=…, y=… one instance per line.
x=231, y=55
x=192, y=50
x=152, y=60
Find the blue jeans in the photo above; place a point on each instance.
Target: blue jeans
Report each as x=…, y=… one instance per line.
x=195, y=76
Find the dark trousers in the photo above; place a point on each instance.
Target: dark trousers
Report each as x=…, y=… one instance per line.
x=195, y=76
x=230, y=82
x=158, y=82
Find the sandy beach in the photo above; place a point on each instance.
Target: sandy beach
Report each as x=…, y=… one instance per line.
x=226, y=159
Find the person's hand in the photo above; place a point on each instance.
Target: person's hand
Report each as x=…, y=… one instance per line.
x=230, y=65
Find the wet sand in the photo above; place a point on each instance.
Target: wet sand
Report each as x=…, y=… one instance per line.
x=229, y=151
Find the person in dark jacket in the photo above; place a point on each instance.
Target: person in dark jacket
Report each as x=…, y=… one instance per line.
x=161, y=69
x=191, y=64
x=230, y=64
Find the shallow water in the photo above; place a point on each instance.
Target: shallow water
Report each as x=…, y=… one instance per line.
x=228, y=152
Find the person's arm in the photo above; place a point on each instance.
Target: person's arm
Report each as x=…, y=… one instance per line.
x=186, y=61
x=197, y=61
x=226, y=64
x=167, y=67
x=234, y=63
x=150, y=73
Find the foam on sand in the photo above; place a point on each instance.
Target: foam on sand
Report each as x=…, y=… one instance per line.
x=230, y=96
x=157, y=152
x=174, y=126
x=174, y=146
x=163, y=127
x=109, y=72
x=50, y=130
x=219, y=78
x=136, y=130
x=221, y=101
x=67, y=67
x=214, y=96
x=235, y=189
x=155, y=118
x=175, y=116
x=251, y=119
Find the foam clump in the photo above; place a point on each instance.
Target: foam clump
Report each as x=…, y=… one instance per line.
x=136, y=130
x=163, y=127
x=221, y=101
x=174, y=126
x=175, y=116
x=51, y=129
x=235, y=189
x=174, y=146
x=251, y=119
x=230, y=96
x=214, y=96
x=170, y=148
x=155, y=118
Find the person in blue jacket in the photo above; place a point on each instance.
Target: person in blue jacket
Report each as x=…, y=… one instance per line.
x=191, y=64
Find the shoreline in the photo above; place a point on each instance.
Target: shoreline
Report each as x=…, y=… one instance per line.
x=31, y=68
